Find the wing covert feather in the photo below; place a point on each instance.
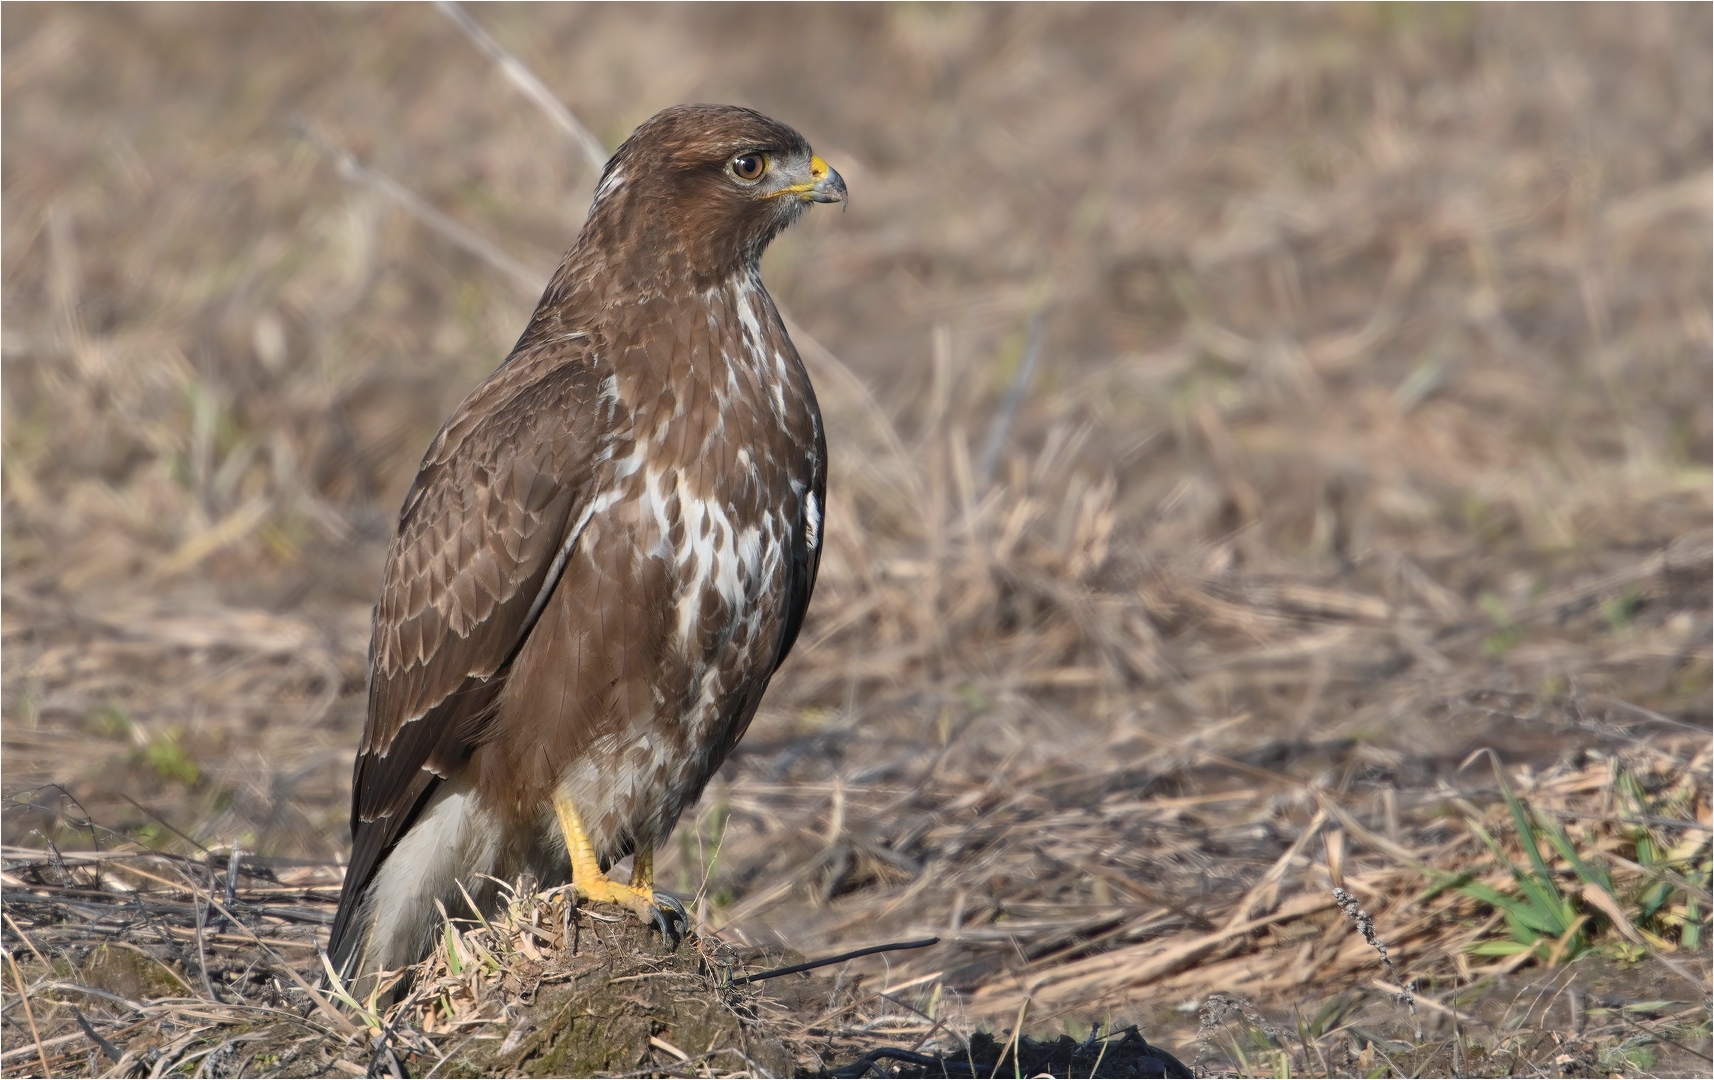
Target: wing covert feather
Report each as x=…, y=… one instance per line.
x=476, y=541
x=805, y=553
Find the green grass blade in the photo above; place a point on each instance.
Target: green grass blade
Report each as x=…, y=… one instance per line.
x=1526, y=832
x=1561, y=843
x=454, y=962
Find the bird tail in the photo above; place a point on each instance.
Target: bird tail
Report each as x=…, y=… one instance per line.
x=371, y=844
x=367, y=843
x=404, y=875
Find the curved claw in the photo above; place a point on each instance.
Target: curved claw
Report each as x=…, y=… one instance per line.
x=658, y=909
x=665, y=904
x=589, y=880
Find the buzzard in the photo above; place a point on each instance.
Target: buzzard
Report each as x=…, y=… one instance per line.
x=606, y=554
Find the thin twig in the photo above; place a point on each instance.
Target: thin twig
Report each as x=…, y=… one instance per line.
x=533, y=88
x=29, y=1014
x=232, y=869
x=841, y=958
x=1096, y=1068
x=95, y=992
x=530, y=281
x=169, y=826
x=1365, y=924
x=1017, y=1041
x=25, y=938
x=202, y=953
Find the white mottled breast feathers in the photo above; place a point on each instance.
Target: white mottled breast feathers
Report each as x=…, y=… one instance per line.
x=720, y=504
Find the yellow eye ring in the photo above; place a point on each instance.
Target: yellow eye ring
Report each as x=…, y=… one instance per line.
x=749, y=167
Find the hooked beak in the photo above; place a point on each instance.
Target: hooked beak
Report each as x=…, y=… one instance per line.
x=829, y=186
x=824, y=186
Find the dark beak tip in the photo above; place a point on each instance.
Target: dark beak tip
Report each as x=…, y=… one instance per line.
x=832, y=188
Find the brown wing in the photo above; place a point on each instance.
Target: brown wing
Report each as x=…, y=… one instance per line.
x=806, y=543
x=484, y=533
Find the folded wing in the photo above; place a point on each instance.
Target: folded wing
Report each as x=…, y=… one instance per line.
x=481, y=540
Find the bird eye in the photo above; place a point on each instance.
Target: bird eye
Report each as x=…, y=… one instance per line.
x=749, y=166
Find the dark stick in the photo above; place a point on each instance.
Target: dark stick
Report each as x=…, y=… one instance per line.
x=232, y=869
x=841, y=958
x=218, y=922
x=71, y=899
x=87, y=820
x=167, y=825
x=113, y=1053
x=202, y=956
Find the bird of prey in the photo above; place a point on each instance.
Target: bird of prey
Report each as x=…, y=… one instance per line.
x=606, y=554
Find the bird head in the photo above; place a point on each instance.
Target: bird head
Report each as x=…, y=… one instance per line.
x=698, y=191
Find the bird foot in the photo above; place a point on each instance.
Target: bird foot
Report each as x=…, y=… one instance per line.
x=659, y=909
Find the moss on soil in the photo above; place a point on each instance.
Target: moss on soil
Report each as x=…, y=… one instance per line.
x=623, y=997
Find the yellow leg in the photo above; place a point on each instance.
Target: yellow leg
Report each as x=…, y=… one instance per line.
x=589, y=883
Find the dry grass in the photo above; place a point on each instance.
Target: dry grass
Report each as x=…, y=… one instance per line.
x=1368, y=427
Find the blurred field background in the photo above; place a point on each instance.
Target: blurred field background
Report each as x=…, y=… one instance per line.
x=1360, y=361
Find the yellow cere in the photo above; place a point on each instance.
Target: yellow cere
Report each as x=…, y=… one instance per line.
x=817, y=172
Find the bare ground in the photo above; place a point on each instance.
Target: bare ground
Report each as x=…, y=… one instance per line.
x=1364, y=426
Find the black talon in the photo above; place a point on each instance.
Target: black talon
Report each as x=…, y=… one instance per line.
x=665, y=903
x=665, y=928
x=673, y=904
